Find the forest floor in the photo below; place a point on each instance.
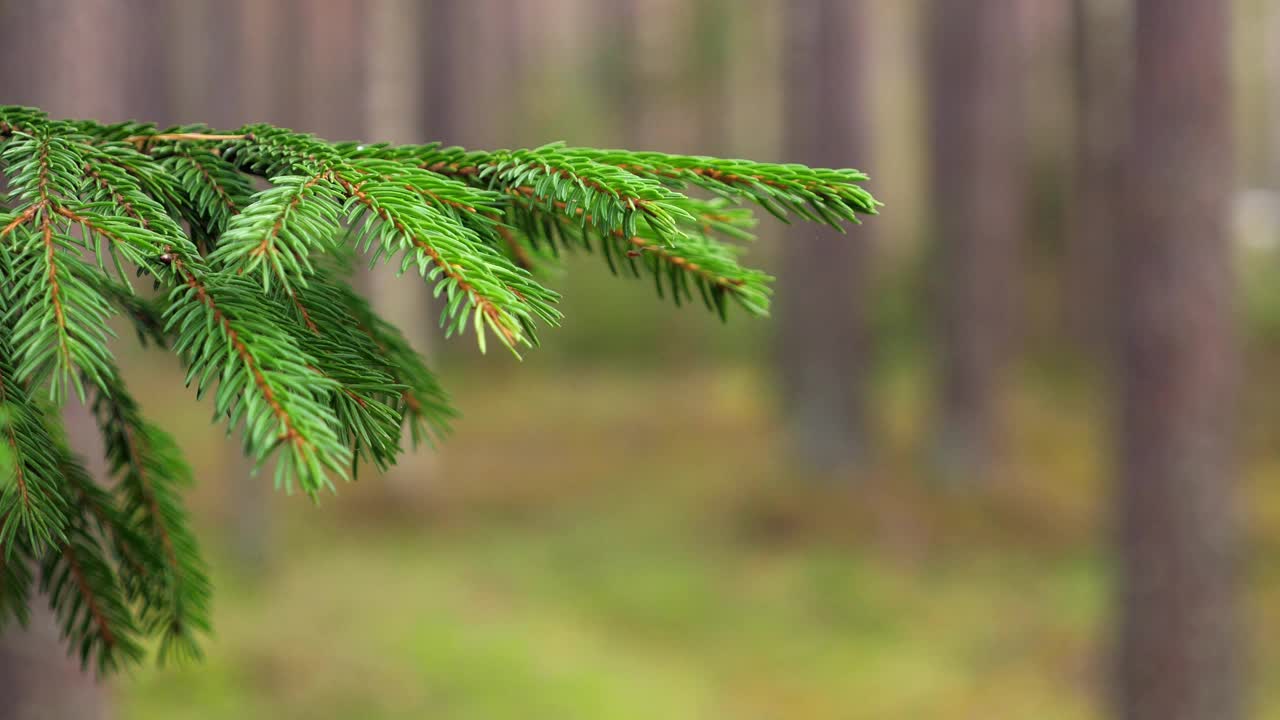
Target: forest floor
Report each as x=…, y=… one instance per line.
x=579, y=552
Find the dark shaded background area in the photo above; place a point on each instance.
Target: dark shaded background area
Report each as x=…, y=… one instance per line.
x=900, y=497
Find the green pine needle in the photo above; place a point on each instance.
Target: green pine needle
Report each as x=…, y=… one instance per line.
x=250, y=288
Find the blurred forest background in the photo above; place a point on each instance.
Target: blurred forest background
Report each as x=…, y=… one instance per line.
x=900, y=497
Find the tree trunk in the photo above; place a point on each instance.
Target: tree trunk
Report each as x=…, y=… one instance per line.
x=1100, y=74
x=1272, y=39
x=978, y=156
x=442, y=101
x=213, y=53
x=148, y=82
x=397, y=112
x=622, y=86
x=711, y=38
x=511, y=22
x=266, y=35
x=335, y=62
x=1178, y=374
x=823, y=345
x=444, y=49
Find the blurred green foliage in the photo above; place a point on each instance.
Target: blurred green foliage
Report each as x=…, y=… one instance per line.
x=648, y=568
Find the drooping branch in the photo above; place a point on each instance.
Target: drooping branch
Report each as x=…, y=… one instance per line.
x=251, y=291
x=142, y=142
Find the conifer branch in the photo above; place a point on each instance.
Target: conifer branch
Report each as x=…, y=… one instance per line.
x=213, y=190
x=815, y=194
x=253, y=296
x=712, y=267
x=279, y=230
x=613, y=197
x=58, y=323
x=88, y=600
x=366, y=401
x=423, y=402
x=83, y=587
x=22, y=219
x=33, y=510
x=15, y=585
x=281, y=399
x=131, y=184
x=143, y=141
x=500, y=296
x=170, y=585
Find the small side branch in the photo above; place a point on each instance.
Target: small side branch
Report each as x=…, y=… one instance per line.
x=144, y=141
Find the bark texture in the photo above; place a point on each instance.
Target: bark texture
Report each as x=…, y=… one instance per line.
x=1178, y=375
x=1100, y=70
x=823, y=349
x=978, y=154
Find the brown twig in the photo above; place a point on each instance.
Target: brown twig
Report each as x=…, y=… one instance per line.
x=519, y=254
x=202, y=295
x=24, y=217
x=90, y=599
x=142, y=141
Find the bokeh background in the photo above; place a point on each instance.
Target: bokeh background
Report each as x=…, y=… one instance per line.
x=893, y=499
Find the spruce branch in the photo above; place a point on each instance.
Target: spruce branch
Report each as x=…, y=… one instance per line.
x=87, y=597
x=484, y=288
x=424, y=403
x=127, y=183
x=472, y=275
x=281, y=228
x=161, y=566
x=815, y=194
x=614, y=198
x=58, y=322
x=16, y=582
x=266, y=381
x=247, y=237
x=144, y=140
x=366, y=403
x=213, y=190
x=693, y=260
x=33, y=509
x=83, y=586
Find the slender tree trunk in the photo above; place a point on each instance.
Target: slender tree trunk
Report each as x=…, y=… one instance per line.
x=1100, y=71
x=1273, y=88
x=823, y=345
x=274, y=37
x=265, y=42
x=442, y=99
x=262, y=40
x=711, y=36
x=445, y=50
x=148, y=82
x=335, y=62
x=511, y=72
x=397, y=112
x=394, y=67
x=978, y=155
x=622, y=87
x=1178, y=372
x=209, y=35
